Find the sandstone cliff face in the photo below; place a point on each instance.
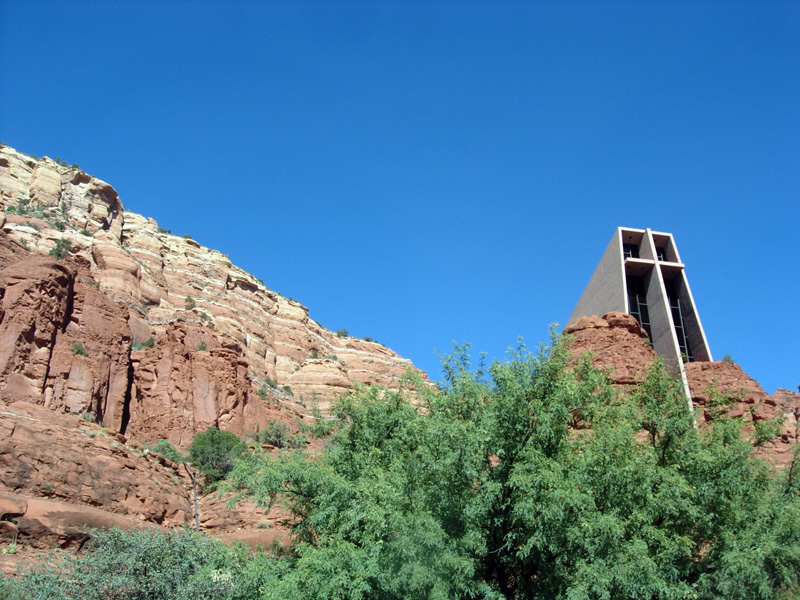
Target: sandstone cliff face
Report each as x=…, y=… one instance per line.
x=616, y=342
x=127, y=281
x=748, y=401
x=60, y=476
x=150, y=335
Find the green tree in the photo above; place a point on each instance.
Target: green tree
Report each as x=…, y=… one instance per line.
x=531, y=479
x=214, y=452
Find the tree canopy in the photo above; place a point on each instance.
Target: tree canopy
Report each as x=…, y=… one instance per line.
x=530, y=479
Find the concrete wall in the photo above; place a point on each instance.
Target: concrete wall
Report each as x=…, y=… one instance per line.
x=606, y=289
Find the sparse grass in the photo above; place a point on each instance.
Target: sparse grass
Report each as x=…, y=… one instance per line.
x=62, y=249
x=148, y=343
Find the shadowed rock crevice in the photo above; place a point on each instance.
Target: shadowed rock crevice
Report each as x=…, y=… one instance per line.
x=126, y=407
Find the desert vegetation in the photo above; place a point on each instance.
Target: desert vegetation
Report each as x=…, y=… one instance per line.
x=529, y=478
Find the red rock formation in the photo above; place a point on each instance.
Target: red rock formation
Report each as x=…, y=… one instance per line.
x=748, y=400
x=61, y=476
x=72, y=336
x=36, y=292
x=619, y=346
x=55, y=459
x=616, y=342
x=180, y=390
x=162, y=279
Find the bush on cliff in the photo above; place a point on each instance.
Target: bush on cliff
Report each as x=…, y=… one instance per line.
x=214, y=452
x=62, y=249
x=166, y=449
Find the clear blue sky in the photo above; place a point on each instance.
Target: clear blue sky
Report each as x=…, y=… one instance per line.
x=424, y=172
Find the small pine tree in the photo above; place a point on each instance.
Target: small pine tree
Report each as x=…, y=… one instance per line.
x=214, y=452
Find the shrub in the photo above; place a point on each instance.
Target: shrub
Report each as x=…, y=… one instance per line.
x=314, y=354
x=213, y=452
x=145, y=564
x=728, y=359
x=278, y=434
x=88, y=417
x=189, y=303
x=148, y=343
x=168, y=451
x=62, y=249
x=342, y=333
x=79, y=350
x=262, y=393
x=186, y=236
x=202, y=347
x=288, y=390
x=86, y=232
x=162, y=230
x=271, y=382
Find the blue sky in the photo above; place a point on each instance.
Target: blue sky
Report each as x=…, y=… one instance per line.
x=429, y=172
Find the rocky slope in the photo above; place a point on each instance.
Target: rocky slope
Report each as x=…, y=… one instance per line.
x=618, y=344
x=125, y=281
x=132, y=335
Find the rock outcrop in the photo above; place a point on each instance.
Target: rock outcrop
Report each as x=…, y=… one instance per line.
x=115, y=334
x=619, y=346
x=712, y=382
x=60, y=476
x=125, y=282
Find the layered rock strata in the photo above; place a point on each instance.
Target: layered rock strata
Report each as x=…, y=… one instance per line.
x=126, y=282
x=115, y=334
